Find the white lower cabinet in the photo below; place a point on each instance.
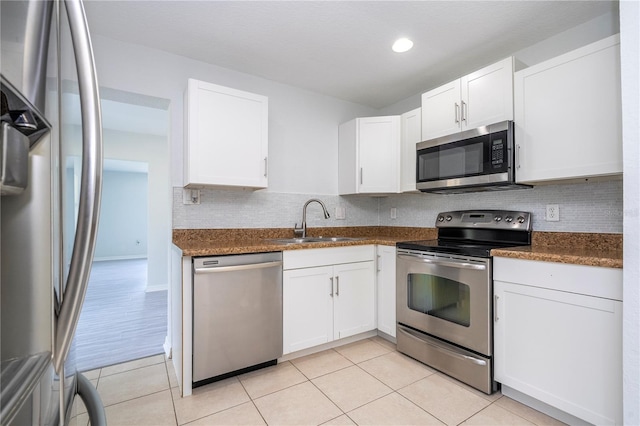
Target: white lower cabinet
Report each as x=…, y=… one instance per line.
x=386, y=286
x=558, y=337
x=328, y=294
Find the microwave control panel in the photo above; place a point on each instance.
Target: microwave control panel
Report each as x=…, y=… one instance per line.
x=497, y=153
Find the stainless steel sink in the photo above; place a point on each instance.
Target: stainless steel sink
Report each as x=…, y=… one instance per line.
x=303, y=240
x=333, y=239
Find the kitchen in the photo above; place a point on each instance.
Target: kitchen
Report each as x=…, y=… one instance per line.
x=292, y=181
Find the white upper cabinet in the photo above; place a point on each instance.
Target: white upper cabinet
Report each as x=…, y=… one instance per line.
x=411, y=126
x=478, y=99
x=568, y=115
x=226, y=140
x=369, y=156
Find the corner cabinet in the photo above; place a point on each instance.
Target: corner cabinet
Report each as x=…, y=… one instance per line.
x=568, y=116
x=411, y=128
x=369, y=156
x=328, y=294
x=558, y=338
x=477, y=99
x=226, y=141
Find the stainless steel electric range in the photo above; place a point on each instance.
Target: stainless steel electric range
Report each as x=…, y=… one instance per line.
x=444, y=292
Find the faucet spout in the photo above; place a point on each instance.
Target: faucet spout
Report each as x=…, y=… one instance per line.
x=302, y=231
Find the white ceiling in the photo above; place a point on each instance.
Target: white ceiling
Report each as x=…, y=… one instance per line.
x=343, y=48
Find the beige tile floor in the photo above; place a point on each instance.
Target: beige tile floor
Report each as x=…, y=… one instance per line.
x=363, y=383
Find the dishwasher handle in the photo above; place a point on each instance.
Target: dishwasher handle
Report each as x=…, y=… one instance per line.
x=215, y=269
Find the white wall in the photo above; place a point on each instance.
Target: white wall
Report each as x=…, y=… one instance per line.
x=122, y=231
x=303, y=126
x=630, y=63
x=154, y=151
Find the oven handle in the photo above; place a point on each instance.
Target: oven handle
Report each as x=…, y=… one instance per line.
x=474, y=360
x=452, y=263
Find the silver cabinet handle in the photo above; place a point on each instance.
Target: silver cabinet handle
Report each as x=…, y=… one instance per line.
x=361, y=178
x=452, y=263
x=266, y=168
x=331, y=294
x=90, y=186
x=517, y=156
x=237, y=267
x=462, y=109
x=457, y=113
x=495, y=307
x=337, y=286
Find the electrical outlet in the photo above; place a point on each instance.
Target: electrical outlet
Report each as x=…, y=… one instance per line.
x=340, y=213
x=190, y=196
x=553, y=213
x=393, y=213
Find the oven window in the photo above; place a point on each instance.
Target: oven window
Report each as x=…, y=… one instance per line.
x=439, y=297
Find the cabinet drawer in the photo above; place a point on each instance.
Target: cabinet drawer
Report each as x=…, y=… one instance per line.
x=580, y=279
x=309, y=258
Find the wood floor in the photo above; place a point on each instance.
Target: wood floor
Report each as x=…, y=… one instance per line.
x=119, y=320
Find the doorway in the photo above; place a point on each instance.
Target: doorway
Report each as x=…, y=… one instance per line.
x=124, y=316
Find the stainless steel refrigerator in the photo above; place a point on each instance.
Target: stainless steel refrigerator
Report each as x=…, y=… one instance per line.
x=50, y=181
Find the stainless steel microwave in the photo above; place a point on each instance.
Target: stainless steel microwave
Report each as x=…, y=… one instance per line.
x=481, y=159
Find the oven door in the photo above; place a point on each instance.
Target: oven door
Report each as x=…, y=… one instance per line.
x=446, y=296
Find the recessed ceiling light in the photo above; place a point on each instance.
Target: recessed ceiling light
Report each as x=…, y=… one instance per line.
x=402, y=45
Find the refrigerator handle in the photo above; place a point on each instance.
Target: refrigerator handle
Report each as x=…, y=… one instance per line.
x=90, y=187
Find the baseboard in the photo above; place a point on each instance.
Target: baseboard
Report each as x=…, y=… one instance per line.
x=157, y=287
x=329, y=345
x=387, y=337
x=167, y=347
x=542, y=407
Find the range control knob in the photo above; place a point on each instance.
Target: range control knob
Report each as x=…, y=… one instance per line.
x=449, y=218
x=497, y=218
x=508, y=219
x=440, y=218
x=520, y=219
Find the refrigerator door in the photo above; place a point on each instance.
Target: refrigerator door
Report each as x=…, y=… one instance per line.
x=40, y=300
x=30, y=388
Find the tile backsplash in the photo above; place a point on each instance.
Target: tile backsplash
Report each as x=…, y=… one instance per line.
x=584, y=207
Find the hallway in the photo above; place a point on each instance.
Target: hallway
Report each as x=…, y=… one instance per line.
x=119, y=320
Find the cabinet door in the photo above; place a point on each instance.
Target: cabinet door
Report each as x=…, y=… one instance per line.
x=568, y=115
x=563, y=349
x=227, y=137
x=411, y=125
x=307, y=308
x=386, y=285
x=487, y=95
x=354, y=299
x=379, y=154
x=441, y=111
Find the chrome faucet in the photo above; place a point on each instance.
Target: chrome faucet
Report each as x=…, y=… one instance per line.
x=302, y=231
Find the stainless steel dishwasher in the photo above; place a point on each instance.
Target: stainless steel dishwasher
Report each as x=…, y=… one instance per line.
x=237, y=314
